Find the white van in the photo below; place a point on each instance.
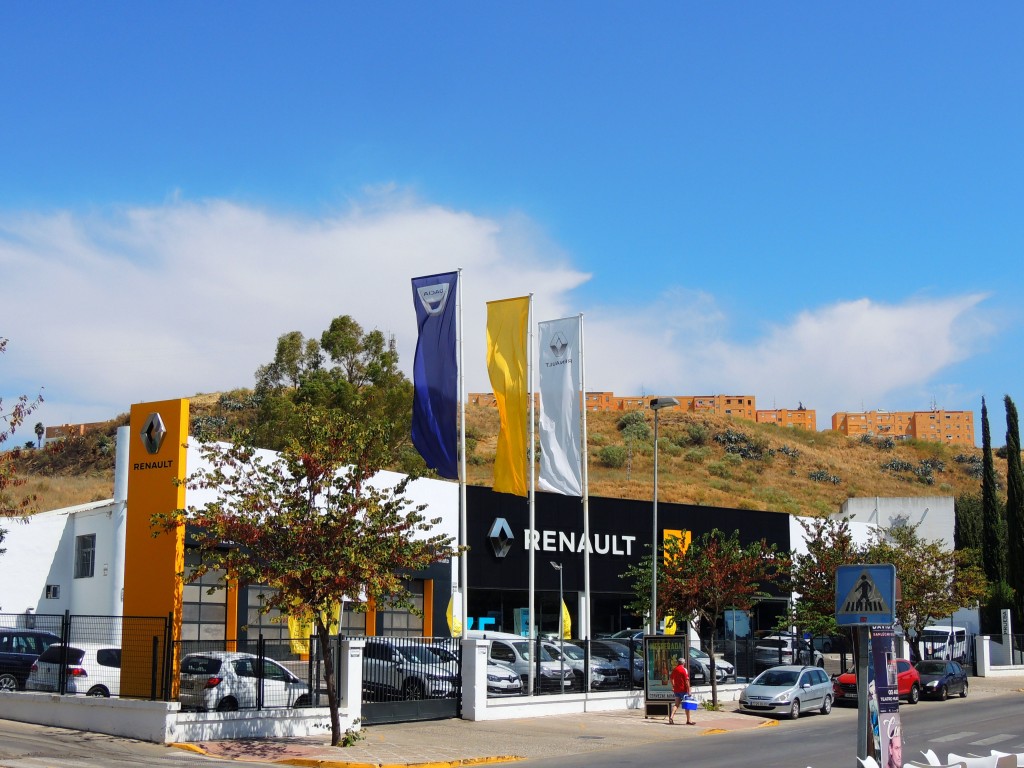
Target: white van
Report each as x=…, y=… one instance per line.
x=942, y=641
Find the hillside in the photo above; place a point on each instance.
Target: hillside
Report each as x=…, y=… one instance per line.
x=704, y=460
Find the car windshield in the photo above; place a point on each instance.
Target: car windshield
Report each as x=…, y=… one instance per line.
x=420, y=654
x=573, y=652
x=697, y=653
x=773, y=644
x=443, y=653
x=774, y=677
x=931, y=667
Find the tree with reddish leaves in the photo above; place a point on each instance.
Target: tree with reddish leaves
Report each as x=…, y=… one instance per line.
x=714, y=574
x=829, y=544
x=313, y=522
x=12, y=416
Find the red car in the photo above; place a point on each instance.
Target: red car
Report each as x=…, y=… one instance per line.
x=909, y=681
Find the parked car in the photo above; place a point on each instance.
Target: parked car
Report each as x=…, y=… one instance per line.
x=407, y=671
x=630, y=663
x=226, y=681
x=723, y=669
x=603, y=674
x=780, y=649
x=941, y=641
x=941, y=679
x=501, y=680
x=831, y=643
x=19, y=648
x=908, y=682
x=788, y=690
x=90, y=668
x=515, y=653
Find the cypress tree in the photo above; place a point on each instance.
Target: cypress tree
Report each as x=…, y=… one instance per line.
x=1014, y=509
x=992, y=548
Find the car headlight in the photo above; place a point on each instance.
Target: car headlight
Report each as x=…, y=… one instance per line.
x=932, y=684
x=495, y=678
x=782, y=698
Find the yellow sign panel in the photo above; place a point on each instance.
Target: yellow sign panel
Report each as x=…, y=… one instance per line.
x=685, y=537
x=152, y=564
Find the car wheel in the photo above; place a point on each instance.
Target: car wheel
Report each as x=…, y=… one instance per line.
x=963, y=693
x=943, y=693
x=412, y=690
x=227, y=704
x=98, y=690
x=915, y=694
x=821, y=662
x=794, y=709
x=302, y=701
x=826, y=705
x=8, y=682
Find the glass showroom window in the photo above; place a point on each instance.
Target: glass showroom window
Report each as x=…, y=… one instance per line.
x=85, y=556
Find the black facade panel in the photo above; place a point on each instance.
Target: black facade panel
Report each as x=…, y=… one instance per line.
x=620, y=530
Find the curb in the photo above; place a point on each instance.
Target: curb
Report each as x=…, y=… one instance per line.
x=303, y=762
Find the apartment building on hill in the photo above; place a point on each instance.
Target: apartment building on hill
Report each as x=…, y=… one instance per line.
x=741, y=406
x=798, y=418
x=952, y=427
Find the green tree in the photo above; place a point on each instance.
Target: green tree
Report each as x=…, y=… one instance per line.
x=993, y=530
x=40, y=431
x=714, y=574
x=1014, y=509
x=935, y=582
x=311, y=524
x=829, y=545
x=967, y=522
x=12, y=505
x=347, y=369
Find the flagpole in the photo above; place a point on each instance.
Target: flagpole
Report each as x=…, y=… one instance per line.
x=463, y=534
x=586, y=490
x=531, y=622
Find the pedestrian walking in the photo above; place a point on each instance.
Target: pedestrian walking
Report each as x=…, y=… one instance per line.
x=680, y=689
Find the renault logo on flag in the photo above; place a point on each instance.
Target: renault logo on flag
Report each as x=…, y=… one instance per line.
x=433, y=297
x=500, y=537
x=153, y=433
x=558, y=344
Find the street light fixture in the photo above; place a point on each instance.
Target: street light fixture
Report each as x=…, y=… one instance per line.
x=561, y=630
x=657, y=403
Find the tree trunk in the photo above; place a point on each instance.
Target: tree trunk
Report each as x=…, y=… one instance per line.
x=713, y=673
x=324, y=636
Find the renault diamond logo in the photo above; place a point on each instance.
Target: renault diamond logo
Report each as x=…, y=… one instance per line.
x=558, y=344
x=153, y=433
x=500, y=537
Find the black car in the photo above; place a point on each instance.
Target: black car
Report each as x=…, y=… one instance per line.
x=941, y=679
x=19, y=648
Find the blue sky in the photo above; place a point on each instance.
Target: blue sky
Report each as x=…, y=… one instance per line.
x=814, y=203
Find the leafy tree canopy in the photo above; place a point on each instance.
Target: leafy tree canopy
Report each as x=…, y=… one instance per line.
x=12, y=417
x=829, y=545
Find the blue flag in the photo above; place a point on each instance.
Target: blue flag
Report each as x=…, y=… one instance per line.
x=435, y=373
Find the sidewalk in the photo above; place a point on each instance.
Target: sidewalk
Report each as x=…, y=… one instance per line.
x=462, y=742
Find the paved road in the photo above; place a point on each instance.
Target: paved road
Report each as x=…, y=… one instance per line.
x=964, y=726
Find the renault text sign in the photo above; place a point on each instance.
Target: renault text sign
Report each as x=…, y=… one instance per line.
x=865, y=594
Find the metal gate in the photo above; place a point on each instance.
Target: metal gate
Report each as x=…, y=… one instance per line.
x=411, y=678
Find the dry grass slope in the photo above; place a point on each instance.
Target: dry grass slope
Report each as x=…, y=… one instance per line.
x=703, y=460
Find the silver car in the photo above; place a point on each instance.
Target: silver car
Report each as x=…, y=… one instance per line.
x=603, y=674
x=723, y=669
x=788, y=690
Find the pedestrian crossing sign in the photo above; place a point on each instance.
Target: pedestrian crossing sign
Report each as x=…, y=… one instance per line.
x=865, y=594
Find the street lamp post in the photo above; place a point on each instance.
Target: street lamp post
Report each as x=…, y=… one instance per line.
x=561, y=630
x=657, y=403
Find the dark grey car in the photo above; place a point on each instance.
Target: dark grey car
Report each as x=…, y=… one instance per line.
x=19, y=648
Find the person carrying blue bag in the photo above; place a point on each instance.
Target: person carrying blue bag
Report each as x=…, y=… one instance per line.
x=680, y=678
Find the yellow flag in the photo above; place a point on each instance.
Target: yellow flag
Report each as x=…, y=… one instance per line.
x=507, y=322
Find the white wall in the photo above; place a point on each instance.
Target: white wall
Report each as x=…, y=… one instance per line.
x=932, y=514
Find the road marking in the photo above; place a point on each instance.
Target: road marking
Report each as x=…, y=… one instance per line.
x=956, y=736
x=993, y=739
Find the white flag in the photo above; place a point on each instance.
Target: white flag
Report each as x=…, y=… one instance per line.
x=560, y=395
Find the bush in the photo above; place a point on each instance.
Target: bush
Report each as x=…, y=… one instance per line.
x=697, y=433
x=612, y=456
x=629, y=419
x=719, y=469
x=638, y=432
x=696, y=455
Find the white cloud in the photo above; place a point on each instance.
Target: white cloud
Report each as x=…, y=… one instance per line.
x=124, y=306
